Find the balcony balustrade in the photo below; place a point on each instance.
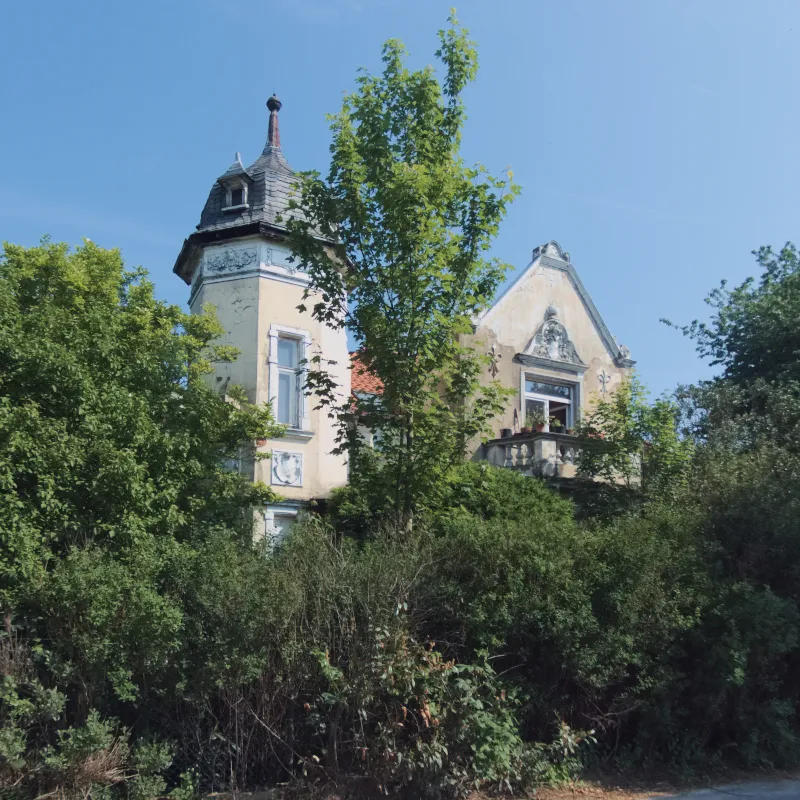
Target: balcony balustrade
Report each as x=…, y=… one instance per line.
x=544, y=455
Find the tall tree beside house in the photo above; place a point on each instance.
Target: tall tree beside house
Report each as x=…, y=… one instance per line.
x=746, y=422
x=405, y=267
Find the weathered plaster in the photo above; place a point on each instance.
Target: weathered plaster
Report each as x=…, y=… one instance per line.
x=249, y=299
x=511, y=323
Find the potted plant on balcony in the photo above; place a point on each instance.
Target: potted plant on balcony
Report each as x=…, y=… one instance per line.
x=535, y=420
x=556, y=425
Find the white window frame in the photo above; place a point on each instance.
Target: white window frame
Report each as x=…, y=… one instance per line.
x=573, y=411
x=229, y=187
x=277, y=332
x=274, y=515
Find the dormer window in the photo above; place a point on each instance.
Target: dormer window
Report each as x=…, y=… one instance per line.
x=235, y=196
x=234, y=193
x=235, y=184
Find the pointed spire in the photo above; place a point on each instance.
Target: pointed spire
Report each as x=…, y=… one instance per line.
x=274, y=135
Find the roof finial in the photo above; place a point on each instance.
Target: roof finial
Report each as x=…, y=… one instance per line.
x=274, y=135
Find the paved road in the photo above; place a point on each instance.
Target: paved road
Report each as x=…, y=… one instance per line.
x=768, y=790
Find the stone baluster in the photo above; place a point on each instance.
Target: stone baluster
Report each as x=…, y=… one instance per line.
x=520, y=460
x=509, y=461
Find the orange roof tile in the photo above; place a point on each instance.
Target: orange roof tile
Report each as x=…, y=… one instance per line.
x=360, y=379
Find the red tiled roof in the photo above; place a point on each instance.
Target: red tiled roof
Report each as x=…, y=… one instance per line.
x=360, y=379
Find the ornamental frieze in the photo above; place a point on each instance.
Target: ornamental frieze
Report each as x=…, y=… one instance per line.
x=231, y=260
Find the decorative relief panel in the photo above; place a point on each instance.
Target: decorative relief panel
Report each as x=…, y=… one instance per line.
x=230, y=260
x=287, y=468
x=280, y=257
x=552, y=341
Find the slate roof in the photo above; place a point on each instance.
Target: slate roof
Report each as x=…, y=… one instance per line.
x=271, y=182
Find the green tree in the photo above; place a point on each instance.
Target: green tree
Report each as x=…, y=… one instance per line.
x=395, y=242
x=110, y=433
x=754, y=332
x=627, y=440
x=746, y=422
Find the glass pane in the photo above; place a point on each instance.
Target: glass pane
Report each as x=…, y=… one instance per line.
x=535, y=408
x=541, y=387
x=287, y=352
x=286, y=386
x=236, y=197
x=560, y=412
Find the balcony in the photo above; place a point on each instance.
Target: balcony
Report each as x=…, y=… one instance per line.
x=543, y=455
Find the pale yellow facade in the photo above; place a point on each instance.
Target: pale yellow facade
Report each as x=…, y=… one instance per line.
x=545, y=328
x=547, y=341
x=256, y=293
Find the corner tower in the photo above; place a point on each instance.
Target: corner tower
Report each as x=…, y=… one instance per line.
x=238, y=260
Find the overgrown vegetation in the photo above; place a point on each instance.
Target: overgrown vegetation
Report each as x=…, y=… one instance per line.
x=150, y=647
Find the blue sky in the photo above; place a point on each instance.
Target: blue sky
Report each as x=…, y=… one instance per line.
x=656, y=141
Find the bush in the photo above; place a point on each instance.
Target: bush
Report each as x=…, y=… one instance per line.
x=411, y=719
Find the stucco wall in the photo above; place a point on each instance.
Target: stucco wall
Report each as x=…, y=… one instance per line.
x=512, y=322
x=254, y=287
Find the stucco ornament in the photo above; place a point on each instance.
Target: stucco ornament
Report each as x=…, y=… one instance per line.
x=287, y=468
x=230, y=260
x=604, y=379
x=552, y=340
x=494, y=359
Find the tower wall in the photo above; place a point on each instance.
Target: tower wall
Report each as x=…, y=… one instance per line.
x=256, y=292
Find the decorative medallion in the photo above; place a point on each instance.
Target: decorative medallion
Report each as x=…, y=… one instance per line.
x=230, y=260
x=552, y=340
x=287, y=468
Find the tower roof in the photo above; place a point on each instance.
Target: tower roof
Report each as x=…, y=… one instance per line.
x=245, y=200
x=269, y=182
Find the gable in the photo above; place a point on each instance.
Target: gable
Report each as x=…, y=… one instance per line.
x=546, y=313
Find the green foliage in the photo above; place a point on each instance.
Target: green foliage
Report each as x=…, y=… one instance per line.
x=754, y=332
x=109, y=432
x=150, y=761
x=113, y=446
x=474, y=487
x=38, y=752
x=558, y=762
x=625, y=440
x=487, y=492
x=395, y=243
x=411, y=718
